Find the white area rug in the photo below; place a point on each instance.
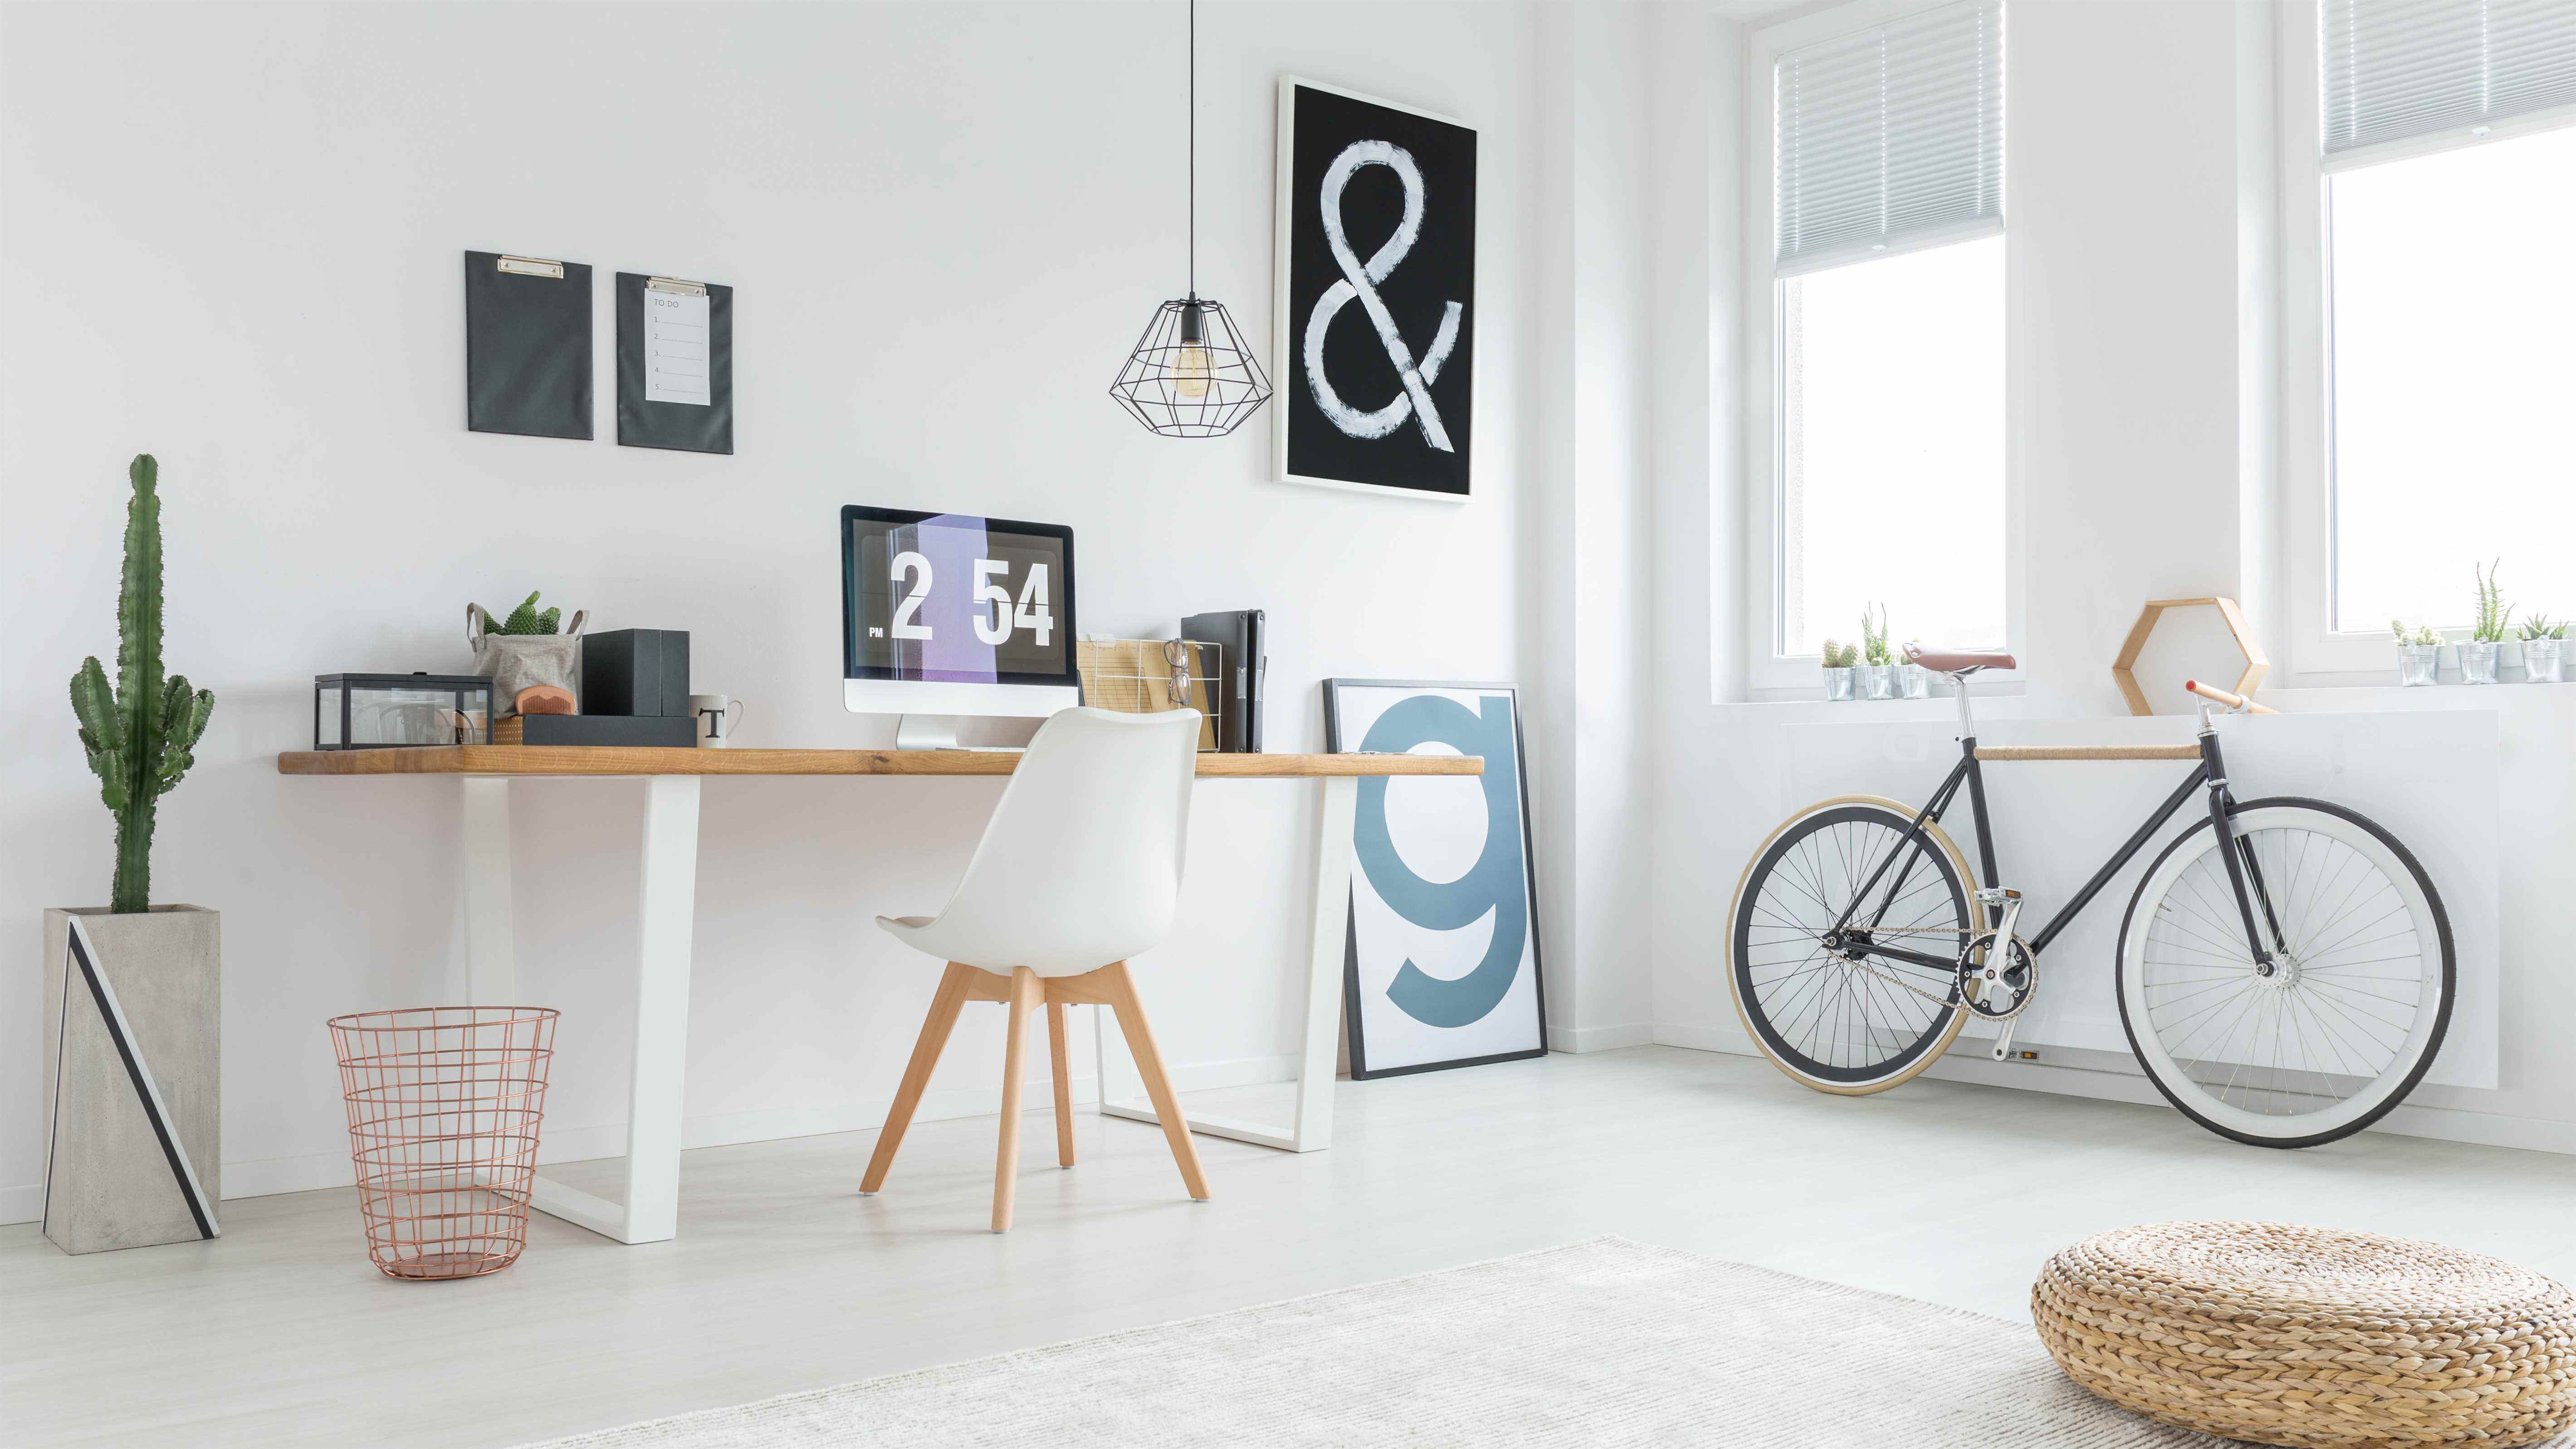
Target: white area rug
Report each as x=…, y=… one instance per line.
x=1602, y=1343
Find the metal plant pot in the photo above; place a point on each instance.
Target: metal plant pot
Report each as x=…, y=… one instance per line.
x=1838, y=684
x=1874, y=681
x=1913, y=681
x=2544, y=661
x=2477, y=663
x=2419, y=664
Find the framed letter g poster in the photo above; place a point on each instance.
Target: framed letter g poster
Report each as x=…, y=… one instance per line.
x=1441, y=966
x=1373, y=334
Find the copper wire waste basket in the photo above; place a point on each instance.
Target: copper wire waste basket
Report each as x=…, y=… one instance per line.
x=444, y=1103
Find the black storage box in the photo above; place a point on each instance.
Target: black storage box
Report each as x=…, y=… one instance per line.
x=636, y=672
x=678, y=732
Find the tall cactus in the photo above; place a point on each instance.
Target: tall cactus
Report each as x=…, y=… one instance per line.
x=138, y=736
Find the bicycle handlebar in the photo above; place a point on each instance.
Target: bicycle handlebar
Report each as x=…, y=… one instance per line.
x=2232, y=701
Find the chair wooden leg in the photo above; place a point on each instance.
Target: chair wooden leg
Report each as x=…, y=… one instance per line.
x=1063, y=1085
x=916, y=1075
x=1158, y=1087
x=1027, y=991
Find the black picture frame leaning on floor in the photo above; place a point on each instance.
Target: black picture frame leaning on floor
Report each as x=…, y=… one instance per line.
x=1362, y=1002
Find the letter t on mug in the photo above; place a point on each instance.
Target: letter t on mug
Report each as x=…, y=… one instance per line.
x=718, y=716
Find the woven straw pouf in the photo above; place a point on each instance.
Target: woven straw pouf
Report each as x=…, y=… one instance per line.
x=2309, y=1336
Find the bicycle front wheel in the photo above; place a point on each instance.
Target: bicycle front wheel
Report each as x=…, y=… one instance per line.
x=2355, y=1001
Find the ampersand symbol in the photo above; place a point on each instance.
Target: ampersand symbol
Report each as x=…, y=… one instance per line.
x=1360, y=282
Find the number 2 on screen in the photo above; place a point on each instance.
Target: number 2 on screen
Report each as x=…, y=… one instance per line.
x=993, y=625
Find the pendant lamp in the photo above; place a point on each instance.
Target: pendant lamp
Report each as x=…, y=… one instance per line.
x=1191, y=376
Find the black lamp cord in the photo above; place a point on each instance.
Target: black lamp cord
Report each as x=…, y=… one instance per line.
x=1194, y=149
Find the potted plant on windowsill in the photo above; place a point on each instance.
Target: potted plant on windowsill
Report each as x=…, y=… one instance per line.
x=2486, y=638
x=133, y=991
x=1839, y=659
x=2544, y=650
x=1877, y=674
x=2419, y=654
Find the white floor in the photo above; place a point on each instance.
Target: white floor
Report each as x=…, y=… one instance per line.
x=783, y=1278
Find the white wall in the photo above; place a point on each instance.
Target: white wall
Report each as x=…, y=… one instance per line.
x=2142, y=314
x=231, y=237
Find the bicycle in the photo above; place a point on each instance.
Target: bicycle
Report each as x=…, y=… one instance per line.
x=2284, y=993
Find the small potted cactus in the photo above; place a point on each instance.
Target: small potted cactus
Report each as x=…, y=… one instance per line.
x=2486, y=637
x=1839, y=659
x=2419, y=654
x=2544, y=650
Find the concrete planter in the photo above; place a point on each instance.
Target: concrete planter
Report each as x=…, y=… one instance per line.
x=133, y=1074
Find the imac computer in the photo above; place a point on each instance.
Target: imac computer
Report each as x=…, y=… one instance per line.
x=947, y=614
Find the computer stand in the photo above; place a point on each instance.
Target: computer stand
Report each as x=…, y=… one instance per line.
x=939, y=732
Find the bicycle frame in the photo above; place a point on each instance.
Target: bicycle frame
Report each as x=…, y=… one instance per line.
x=2244, y=877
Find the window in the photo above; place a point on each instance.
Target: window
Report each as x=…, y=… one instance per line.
x=1885, y=282
x=2430, y=192
x=2454, y=337
x=1892, y=434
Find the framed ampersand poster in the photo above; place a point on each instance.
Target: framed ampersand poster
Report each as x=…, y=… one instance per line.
x=1374, y=328
x=1441, y=968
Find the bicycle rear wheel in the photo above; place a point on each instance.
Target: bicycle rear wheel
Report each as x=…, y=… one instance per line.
x=2355, y=1004
x=1825, y=1021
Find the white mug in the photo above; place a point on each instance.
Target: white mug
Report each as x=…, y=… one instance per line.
x=718, y=716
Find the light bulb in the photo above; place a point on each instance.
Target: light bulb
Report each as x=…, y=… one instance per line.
x=1190, y=370
x=1190, y=364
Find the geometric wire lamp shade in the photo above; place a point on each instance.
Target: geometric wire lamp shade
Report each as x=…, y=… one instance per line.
x=1191, y=376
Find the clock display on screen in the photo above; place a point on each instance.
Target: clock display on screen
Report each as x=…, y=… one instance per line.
x=954, y=598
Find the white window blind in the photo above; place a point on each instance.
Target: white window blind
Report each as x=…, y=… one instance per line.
x=1890, y=138
x=2404, y=70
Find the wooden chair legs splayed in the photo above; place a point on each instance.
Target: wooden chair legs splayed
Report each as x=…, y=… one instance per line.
x=1023, y=991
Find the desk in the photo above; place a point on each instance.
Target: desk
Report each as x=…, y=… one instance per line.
x=651, y=1210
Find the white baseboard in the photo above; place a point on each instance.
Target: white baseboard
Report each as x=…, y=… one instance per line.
x=2116, y=1077
x=581, y=1143
x=1599, y=1038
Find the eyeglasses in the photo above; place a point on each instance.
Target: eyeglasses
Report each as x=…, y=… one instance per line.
x=1176, y=653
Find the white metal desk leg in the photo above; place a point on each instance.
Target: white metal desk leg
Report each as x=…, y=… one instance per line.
x=651, y=1212
x=1314, y=1127
x=1312, y=1131
x=491, y=961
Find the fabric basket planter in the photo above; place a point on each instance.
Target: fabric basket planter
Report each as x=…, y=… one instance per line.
x=515, y=662
x=444, y=1104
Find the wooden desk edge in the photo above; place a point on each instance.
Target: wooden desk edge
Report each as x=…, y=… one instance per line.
x=617, y=760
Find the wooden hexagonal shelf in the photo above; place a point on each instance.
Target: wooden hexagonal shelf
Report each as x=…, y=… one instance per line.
x=2123, y=668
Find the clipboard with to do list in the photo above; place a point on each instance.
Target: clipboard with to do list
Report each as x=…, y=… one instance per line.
x=674, y=364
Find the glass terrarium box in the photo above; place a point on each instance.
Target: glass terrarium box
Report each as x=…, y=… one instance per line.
x=385, y=711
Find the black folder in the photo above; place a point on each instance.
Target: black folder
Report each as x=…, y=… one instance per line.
x=1239, y=635
x=527, y=346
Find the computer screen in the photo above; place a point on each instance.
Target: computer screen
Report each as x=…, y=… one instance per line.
x=955, y=599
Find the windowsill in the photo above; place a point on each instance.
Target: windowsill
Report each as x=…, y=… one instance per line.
x=1810, y=703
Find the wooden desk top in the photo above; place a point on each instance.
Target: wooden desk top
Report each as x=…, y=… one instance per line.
x=617, y=760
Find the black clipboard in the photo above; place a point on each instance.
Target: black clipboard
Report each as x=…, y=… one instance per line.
x=642, y=420
x=527, y=346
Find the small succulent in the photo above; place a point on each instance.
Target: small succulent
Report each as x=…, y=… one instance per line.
x=2424, y=635
x=524, y=619
x=1873, y=633
x=2493, y=612
x=2539, y=626
x=1841, y=656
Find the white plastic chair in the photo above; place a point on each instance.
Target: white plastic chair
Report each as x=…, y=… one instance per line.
x=1079, y=869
